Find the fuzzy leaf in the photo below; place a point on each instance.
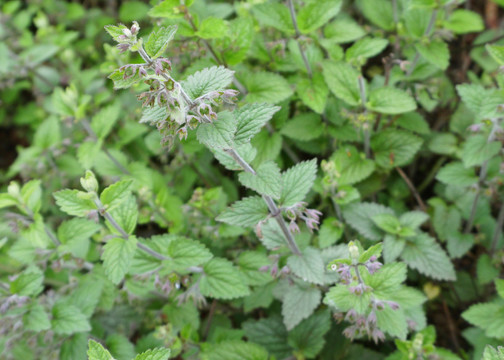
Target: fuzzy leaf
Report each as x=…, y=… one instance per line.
x=105, y=119
x=74, y=202
x=270, y=333
x=97, y=352
x=154, y=354
x=267, y=87
x=304, y=127
x=298, y=304
x=297, y=182
x=435, y=52
x=308, y=337
x=477, y=150
x=394, y=148
x=117, y=257
x=275, y=15
x=158, y=41
x=221, y=280
x=246, y=212
x=488, y=316
x=215, y=78
x=456, y=174
x=342, y=80
x=236, y=350
x=313, y=92
x=317, y=13
x=68, y=319
x=309, y=266
x=388, y=100
x=359, y=216
x=219, y=134
x=115, y=194
x=250, y=119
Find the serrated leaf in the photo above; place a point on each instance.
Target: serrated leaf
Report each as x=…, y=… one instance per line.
x=266, y=181
x=456, y=174
x=304, y=127
x=359, y=216
x=313, y=92
x=477, y=150
x=250, y=119
x=413, y=219
x=104, y=120
x=435, y=52
x=117, y=257
x=309, y=266
x=387, y=222
x=186, y=252
x=97, y=352
x=379, y=12
x=481, y=101
x=250, y=262
x=426, y=256
x=496, y=52
x=492, y=353
x=122, y=80
x=366, y=48
x=158, y=41
x=488, y=316
x=246, y=212
x=330, y=232
x=215, y=78
x=153, y=114
x=36, y=319
x=275, y=15
x=266, y=87
x=388, y=100
x=297, y=182
x=351, y=165
x=219, y=134
x=154, y=354
x=463, y=21
x=125, y=215
x=308, y=337
x=212, y=28
x=298, y=304
x=68, y=319
x=236, y=350
x=28, y=283
x=70, y=202
x=342, y=80
x=395, y=148
x=271, y=334
x=113, y=195
x=221, y=280
x=246, y=151
x=315, y=14
x=343, y=29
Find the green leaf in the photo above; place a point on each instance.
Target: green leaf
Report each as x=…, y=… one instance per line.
x=313, y=92
x=246, y=151
x=270, y=333
x=250, y=119
x=491, y=353
x=351, y=166
x=246, y=212
x=221, y=280
x=168, y=9
x=68, y=319
x=28, y=283
x=212, y=28
x=74, y=235
x=266, y=181
x=158, y=41
x=298, y=304
x=395, y=148
x=97, y=352
x=477, y=150
x=7, y=200
x=125, y=215
x=275, y=15
x=219, y=134
x=153, y=114
x=482, y=102
x=308, y=337
x=297, y=182
x=115, y=31
x=186, y=252
x=343, y=29
x=154, y=354
x=122, y=80
x=496, y=52
x=236, y=350
x=48, y=134
x=387, y=222
x=379, y=12
x=74, y=347
x=330, y=232
x=443, y=143
x=74, y=202
x=117, y=257
x=31, y=194
x=499, y=286
x=413, y=219
x=488, y=316
x=309, y=266
x=456, y=174
x=266, y=87
x=120, y=346
x=413, y=121
x=393, y=322
x=425, y=255
x=366, y=48
x=215, y=78
x=36, y=319
x=388, y=100
x=104, y=120
x=359, y=216
x=317, y=13
x=303, y=127
x=463, y=21
x=342, y=80
x=435, y=52
x=374, y=250
x=115, y=194
x=250, y=262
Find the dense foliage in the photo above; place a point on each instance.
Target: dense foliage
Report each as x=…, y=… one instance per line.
x=251, y=180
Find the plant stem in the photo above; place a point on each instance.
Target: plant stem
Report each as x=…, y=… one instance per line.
x=367, y=135
x=292, y=11
x=412, y=188
x=497, y=230
x=432, y=21
x=273, y=208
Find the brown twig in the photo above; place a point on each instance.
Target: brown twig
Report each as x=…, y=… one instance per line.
x=412, y=188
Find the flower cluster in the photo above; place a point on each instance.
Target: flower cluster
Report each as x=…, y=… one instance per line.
x=311, y=217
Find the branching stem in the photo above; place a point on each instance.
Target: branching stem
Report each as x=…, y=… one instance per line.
x=292, y=11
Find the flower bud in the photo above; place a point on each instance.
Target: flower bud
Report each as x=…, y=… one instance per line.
x=89, y=182
x=353, y=250
x=13, y=189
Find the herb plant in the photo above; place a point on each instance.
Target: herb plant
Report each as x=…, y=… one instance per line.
x=252, y=180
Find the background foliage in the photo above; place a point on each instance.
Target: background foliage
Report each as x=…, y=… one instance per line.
x=371, y=128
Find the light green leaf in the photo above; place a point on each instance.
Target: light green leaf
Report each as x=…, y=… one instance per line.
x=36, y=319
x=309, y=266
x=236, y=350
x=270, y=333
x=481, y=101
x=249, y=263
x=122, y=80
x=435, y=52
x=359, y=216
x=351, y=165
x=115, y=194
x=297, y=181
x=31, y=194
x=342, y=80
x=308, y=337
x=266, y=87
x=250, y=119
x=492, y=353
x=246, y=212
x=158, y=41
x=477, y=150
x=212, y=28
x=117, y=257
x=366, y=48
x=379, y=12
x=275, y=15
x=387, y=222
x=246, y=151
x=120, y=346
x=313, y=92
x=74, y=202
x=317, y=13
x=215, y=78
x=97, y=352
x=169, y=9
x=456, y=174
x=303, y=127
x=388, y=100
x=488, y=316
x=104, y=120
x=125, y=215
x=343, y=29
x=68, y=319
x=393, y=322
x=413, y=219
x=330, y=232
x=74, y=235
x=496, y=52
x=219, y=134
x=87, y=153
x=28, y=283
x=154, y=354
x=463, y=21
x=221, y=280
x=48, y=134
x=395, y=148
x=298, y=304
x=186, y=252
x=425, y=255
x=153, y=114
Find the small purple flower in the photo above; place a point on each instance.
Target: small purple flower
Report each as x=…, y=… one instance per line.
x=393, y=305
x=293, y=227
x=377, y=336
x=371, y=319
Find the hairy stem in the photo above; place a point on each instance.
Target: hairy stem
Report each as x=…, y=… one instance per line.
x=273, y=208
x=412, y=188
x=367, y=135
x=292, y=11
